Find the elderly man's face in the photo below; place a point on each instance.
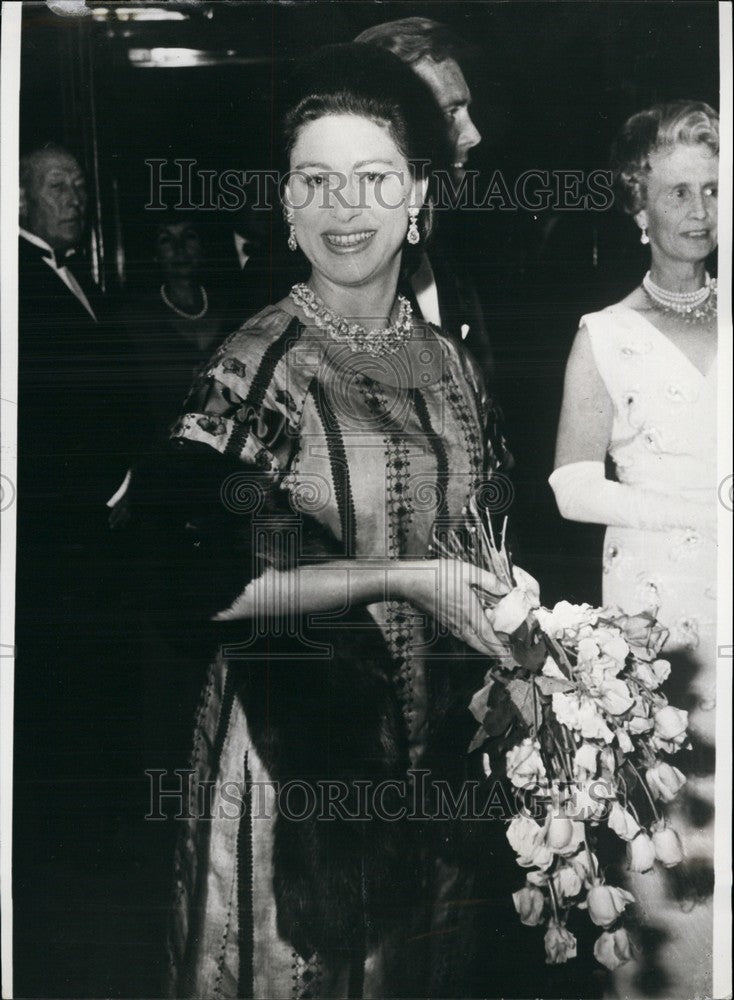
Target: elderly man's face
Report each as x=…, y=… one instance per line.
x=54, y=203
x=452, y=93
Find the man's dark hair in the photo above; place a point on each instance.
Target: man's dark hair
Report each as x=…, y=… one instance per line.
x=415, y=38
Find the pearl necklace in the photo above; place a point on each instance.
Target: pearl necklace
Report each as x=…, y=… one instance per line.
x=693, y=307
x=180, y=312
x=374, y=342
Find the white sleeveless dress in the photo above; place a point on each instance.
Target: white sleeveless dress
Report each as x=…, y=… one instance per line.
x=664, y=440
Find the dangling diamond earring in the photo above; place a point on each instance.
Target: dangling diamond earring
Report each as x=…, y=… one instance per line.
x=413, y=236
x=292, y=241
x=644, y=238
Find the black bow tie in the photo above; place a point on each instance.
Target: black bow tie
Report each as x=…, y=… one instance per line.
x=59, y=258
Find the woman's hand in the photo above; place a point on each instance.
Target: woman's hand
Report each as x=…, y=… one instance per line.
x=446, y=589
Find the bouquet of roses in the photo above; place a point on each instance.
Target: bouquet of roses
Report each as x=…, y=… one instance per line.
x=574, y=708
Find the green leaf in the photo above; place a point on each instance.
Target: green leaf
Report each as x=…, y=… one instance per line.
x=500, y=711
x=478, y=704
x=549, y=685
x=479, y=739
x=521, y=694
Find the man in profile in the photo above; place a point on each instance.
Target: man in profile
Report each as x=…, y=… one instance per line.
x=444, y=291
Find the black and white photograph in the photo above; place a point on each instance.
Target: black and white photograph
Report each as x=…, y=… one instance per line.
x=366, y=495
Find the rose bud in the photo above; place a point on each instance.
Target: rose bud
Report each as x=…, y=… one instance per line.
x=567, y=882
x=559, y=833
x=606, y=903
x=661, y=669
x=524, y=764
x=668, y=847
x=560, y=944
x=639, y=725
x=615, y=697
x=563, y=835
x=529, y=902
x=646, y=675
x=664, y=781
x=623, y=823
x=613, y=948
x=585, y=760
x=671, y=724
x=526, y=839
x=640, y=853
x=585, y=865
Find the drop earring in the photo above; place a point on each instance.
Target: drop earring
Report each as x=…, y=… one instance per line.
x=644, y=238
x=292, y=241
x=413, y=235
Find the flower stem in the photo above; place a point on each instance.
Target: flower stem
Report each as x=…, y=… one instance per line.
x=554, y=900
x=646, y=790
x=592, y=863
x=562, y=755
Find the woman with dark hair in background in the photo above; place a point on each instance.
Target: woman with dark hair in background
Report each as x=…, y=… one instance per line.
x=335, y=415
x=176, y=323
x=641, y=390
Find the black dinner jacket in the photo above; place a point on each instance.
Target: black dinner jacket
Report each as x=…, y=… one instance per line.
x=458, y=302
x=74, y=401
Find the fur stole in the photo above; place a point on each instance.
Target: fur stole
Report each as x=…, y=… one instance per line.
x=322, y=708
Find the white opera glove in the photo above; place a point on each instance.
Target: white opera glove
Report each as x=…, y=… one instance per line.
x=583, y=493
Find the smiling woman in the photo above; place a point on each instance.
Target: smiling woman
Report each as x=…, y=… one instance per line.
x=337, y=409
x=353, y=211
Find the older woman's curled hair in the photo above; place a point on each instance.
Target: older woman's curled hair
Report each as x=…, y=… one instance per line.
x=657, y=129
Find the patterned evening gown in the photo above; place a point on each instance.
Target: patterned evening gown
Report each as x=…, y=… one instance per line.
x=377, y=449
x=664, y=440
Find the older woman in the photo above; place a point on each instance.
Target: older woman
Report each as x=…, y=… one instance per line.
x=641, y=390
x=377, y=427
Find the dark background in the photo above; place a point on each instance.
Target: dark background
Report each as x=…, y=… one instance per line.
x=552, y=83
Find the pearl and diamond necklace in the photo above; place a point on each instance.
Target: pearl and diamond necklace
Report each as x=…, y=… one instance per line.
x=375, y=342
x=696, y=306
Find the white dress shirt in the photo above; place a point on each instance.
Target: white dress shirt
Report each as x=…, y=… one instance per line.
x=426, y=293
x=242, y=248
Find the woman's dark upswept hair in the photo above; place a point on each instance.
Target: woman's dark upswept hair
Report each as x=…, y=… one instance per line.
x=372, y=83
x=659, y=128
